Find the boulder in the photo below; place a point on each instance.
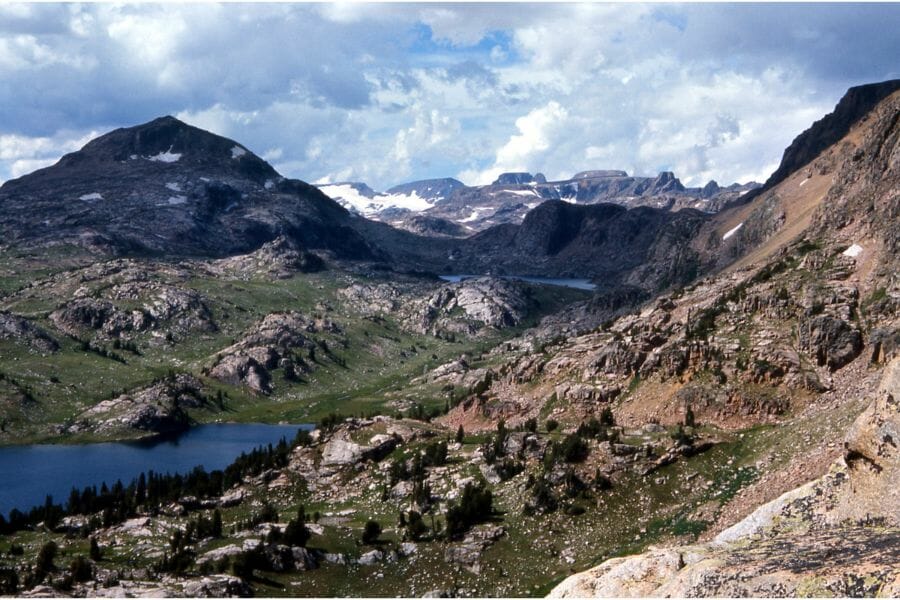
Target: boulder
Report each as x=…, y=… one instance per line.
x=833, y=342
x=217, y=586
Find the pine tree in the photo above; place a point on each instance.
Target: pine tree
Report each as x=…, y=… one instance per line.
x=460, y=435
x=95, y=553
x=217, y=524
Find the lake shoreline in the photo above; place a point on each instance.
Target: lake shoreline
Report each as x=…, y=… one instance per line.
x=34, y=471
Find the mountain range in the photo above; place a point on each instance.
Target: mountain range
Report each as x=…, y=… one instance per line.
x=509, y=198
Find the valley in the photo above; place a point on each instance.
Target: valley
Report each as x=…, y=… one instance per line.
x=599, y=397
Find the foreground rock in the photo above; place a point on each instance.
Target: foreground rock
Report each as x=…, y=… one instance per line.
x=836, y=536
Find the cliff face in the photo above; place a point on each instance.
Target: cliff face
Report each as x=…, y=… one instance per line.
x=855, y=104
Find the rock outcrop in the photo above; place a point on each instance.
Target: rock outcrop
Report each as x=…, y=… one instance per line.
x=179, y=311
x=280, y=340
x=279, y=259
x=21, y=330
x=157, y=409
x=465, y=307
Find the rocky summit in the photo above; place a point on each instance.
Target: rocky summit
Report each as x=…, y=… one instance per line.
x=629, y=388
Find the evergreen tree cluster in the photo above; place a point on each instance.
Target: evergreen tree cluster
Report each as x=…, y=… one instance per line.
x=148, y=492
x=476, y=505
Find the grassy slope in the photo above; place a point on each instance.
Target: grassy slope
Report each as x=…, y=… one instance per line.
x=380, y=356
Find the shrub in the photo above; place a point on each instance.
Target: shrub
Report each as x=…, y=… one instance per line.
x=297, y=533
x=46, y=556
x=95, y=553
x=303, y=438
x=689, y=420
x=435, y=454
x=415, y=526
x=371, y=532
x=572, y=449
x=551, y=425
x=542, y=500
x=81, y=569
x=9, y=581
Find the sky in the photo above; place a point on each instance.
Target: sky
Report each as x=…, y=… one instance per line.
x=390, y=93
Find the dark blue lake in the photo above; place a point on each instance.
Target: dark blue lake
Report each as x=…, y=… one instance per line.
x=578, y=284
x=29, y=473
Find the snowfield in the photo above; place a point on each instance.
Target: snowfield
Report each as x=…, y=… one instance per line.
x=349, y=197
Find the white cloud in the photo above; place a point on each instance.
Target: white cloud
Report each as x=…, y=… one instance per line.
x=524, y=150
x=430, y=129
x=20, y=155
x=383, y=93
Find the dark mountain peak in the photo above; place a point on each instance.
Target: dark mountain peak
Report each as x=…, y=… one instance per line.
x=517, y=179
x=856, y=103
x=710, y=189
x=167, y=141
x=666, y=182
x=169, y=188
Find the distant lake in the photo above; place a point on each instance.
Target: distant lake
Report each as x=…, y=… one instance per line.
x=29, y=473
x=578, y=284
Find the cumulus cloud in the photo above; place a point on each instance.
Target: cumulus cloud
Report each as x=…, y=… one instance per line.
x=383, y=93
x=525, y=149
x=20, y=154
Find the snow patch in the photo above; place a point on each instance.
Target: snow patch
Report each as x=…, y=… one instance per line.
x=853, y=251
x=173, y=187
x=349, y=197
x=269, y=184
x=167, y=157
x=237, y=152
x=173, y=200
x=802, y=183
x=523, y=192
x=731, y=232
x=470, y=218
x=91, y=197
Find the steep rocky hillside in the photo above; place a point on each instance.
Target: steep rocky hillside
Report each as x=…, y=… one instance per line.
x=838, y=535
